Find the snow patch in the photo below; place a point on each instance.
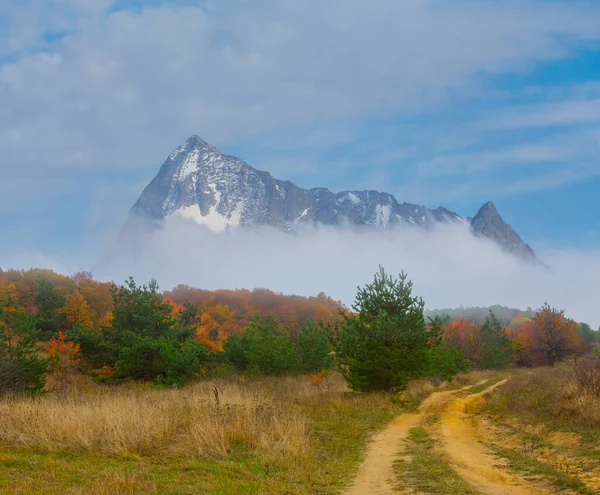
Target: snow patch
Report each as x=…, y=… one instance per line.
x=176, y=153
x=213, y=220
x=189, y=164
x=354, y=199
x=213, y=188
x=382, y=215
x=351, y=197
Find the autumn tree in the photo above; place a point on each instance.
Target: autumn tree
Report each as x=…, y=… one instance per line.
x=554, y=336
x=208, y=331
x=63, y=360
x=98, y=297
x=384, y=344
x=521, y=339
x=77, y=310
x=466, y=336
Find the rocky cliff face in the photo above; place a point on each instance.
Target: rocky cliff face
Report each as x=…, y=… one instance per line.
x=222, y=192
x=488, y=223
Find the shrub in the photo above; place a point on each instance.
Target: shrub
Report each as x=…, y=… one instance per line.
x=587, y=374
x=445, y=361
x=21, y=369
x=314, y=351
x=262, y=348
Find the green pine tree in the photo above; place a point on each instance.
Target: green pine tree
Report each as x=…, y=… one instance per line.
x=21, y=368
x=314, y=350
x=49, y=318
x=385, y=344
x=497, y=347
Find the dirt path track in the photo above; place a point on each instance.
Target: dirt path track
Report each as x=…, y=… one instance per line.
x=460, y=443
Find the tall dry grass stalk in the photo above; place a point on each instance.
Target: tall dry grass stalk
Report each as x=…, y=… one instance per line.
x=205, y=419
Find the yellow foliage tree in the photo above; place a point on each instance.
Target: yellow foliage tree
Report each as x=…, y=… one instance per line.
x=106, y=320
x=77, y=310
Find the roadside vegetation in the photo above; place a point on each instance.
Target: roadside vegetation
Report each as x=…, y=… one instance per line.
x=547, y=421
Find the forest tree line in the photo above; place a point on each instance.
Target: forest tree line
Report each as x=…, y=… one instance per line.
x=63, y=325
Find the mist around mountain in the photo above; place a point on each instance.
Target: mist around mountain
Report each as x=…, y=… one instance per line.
x=251, y=237
x=221, y=192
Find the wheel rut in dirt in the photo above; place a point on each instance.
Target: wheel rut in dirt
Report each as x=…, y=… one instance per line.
x=466, y=454
x=460, y=445
x=376, y=473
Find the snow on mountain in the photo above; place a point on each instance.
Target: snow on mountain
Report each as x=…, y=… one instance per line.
x=222, y=192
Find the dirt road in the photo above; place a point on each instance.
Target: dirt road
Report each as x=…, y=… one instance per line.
x=459, y=443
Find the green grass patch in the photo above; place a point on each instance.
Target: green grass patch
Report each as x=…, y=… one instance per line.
x=533, y=467
x=426, y=471
x=26, y=472
x=342, y=429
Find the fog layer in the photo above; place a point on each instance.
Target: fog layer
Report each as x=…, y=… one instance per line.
x=448, y=265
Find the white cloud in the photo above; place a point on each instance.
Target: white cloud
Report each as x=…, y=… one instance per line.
x=125, y=87
x=448, y=265
x=551, y=180
x=556, y=113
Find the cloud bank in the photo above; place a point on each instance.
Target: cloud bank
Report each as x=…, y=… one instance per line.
x=448, y=265
x=100, y=83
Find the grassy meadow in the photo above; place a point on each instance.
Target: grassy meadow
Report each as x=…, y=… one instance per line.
x=546, y=423
x=234, y=435
x=278, y=435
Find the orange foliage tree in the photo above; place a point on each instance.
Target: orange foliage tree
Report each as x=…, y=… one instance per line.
x=553, y=336
x=466, y=336
x=521, y=336
x=209, y=333
x=63, y=360
x=232, y=310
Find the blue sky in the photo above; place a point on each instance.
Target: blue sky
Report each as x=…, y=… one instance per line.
x=440, y=103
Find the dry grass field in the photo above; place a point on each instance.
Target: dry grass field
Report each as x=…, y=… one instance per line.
x=288, y=435
x=545, y=423
x=234, y=435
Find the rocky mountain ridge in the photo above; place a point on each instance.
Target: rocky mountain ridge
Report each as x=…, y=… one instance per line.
x=222, y=192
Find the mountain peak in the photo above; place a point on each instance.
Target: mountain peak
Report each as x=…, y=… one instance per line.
x=489, y=223
x=196, y=141
x=199, y=183
x=488, y=208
